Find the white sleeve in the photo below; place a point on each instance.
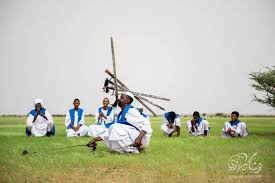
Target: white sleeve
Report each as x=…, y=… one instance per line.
x=49, y=117
x=82, y=120
x=96, y=117
x=110, y=118
x=189, y=125
x=135, y=118
x=226, y=126
x=178, y=122
x=146, y=125
x=30, y=120
x=67, y=119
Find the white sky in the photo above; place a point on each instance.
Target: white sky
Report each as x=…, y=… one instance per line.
x=198, y=53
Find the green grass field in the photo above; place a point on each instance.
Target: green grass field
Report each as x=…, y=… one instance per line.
x=183, y=159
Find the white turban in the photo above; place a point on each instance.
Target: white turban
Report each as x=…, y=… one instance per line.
x=37, y=101
x=129, y=94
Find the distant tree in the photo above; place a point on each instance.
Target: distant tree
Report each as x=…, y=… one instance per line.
x=264, y=81
x=220, y=114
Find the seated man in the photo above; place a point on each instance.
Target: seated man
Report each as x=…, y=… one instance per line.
x=104, y=118
x=75, y=121
x=197, y=126
x=234, y=128
x=171, y=124
x=40, y=122
x=131, y=132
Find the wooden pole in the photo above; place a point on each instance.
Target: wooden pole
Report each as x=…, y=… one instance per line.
x=114, y=67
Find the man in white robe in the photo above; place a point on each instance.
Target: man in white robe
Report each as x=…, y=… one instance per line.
x=171, y=124
x=40, y=122
x=104, y=118
x=234, y=128
x=75, y=121
x=197, y=126
x=131, y=132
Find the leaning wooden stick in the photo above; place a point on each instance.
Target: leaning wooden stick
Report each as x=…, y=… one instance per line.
x=136, y=93
x=114, y=67
x=136, y=97
x=150, y=96
x=152, y=103
x=142, y=98
x=149, y=109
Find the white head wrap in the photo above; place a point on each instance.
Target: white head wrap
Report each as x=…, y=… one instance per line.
x=129, y=94
x=37, y=101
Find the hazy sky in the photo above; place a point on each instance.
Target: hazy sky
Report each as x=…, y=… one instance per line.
x=198, y=53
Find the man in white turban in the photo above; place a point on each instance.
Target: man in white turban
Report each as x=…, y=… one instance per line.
x=131, y=132
x=40, y=122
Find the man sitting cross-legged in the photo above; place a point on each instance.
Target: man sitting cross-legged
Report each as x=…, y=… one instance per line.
x=234, y=128
x=75, y=121
x=104, y=119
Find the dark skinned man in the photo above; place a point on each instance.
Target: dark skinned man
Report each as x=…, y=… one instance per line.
x=131, y=132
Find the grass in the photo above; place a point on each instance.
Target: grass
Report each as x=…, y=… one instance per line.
x=183, y=159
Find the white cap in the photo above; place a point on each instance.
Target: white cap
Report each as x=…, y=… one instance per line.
x=37, y=101
x=129, y=94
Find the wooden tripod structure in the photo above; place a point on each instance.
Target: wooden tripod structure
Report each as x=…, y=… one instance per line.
x=117, y=85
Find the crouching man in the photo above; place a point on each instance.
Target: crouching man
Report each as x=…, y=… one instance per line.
x=171, y=124
x=131, y=132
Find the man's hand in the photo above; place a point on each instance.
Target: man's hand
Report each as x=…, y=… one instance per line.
x=193, y=123
x=72, y=126
x=93, y=144
x=170, y=125
x=137, y=142
x=102, y=115
x=229, y=130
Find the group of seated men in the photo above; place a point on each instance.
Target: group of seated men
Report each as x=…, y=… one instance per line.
x=130, y=132
x=198, y=126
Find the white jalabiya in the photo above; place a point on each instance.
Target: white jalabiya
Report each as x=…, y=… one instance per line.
x=204, y=125
x=165, y=128
x=82, y=131
x=122, y=137
x=99, y=129
x=240, y=129
x=40, y=126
